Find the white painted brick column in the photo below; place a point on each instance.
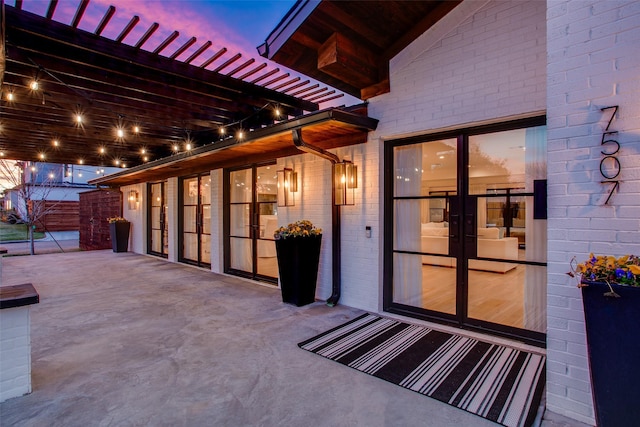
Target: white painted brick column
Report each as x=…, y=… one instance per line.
x=15, y=352
x=592, y=62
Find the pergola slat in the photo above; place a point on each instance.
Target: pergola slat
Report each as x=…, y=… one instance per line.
x=105, y=20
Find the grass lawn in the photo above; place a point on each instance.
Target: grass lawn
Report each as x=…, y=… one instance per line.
x=10, y=232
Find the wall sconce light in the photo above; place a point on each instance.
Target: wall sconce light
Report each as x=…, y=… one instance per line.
x=287, y=185
x=345, y=181
x=134, y=200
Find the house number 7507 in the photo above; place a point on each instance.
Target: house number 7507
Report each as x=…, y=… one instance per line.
x=610, y=165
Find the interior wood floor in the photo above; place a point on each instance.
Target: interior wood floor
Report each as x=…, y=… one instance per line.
x=268, y=266
x=493, y=297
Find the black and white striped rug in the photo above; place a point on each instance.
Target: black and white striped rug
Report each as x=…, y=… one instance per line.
x=499, y=383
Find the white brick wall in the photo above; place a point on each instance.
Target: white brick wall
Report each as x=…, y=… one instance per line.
x=593, y=62
x=484, y=61
x=217, y=227
x=15, y=352
x=137, y=217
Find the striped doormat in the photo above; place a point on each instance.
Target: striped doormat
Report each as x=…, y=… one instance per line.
x=498, y=383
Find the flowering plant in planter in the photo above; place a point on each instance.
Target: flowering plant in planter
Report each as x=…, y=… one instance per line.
x=116, y=219
x=610, y=288
x=302, y=228
x=624, y=270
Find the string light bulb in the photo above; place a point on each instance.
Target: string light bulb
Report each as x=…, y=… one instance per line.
x=136, y=129
x=103, y=150
x=34, y=85
x=41, y=156
x=56, y=143
x=10, y=96
x=120, y=133
x=79, y=118
x=176, y=148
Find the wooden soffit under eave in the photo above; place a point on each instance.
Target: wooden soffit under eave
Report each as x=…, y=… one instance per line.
x=326, y=129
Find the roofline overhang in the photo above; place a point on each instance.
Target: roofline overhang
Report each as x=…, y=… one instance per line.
x=287, y=27
x=364, y=123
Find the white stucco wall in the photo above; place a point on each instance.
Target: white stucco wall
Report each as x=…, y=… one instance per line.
x=593, y=62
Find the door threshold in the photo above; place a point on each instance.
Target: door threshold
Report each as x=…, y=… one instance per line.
x=492, y=339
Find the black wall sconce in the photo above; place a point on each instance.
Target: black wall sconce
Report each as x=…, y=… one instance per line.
x=133, y=199
x=345, y=181
x=287, y=185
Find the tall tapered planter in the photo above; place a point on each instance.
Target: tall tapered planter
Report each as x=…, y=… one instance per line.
x=613, y=346
x=298, y=260
x=119, y=233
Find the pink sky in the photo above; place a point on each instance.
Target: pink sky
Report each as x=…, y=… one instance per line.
x=239, y=25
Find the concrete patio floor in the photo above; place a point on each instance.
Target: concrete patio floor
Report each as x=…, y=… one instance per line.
x=127, y=339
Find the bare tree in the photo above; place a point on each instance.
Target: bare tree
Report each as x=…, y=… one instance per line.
x=30, y=203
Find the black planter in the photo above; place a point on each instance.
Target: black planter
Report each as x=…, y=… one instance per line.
x=119, y=232
x=613, y=345
x=298, y=267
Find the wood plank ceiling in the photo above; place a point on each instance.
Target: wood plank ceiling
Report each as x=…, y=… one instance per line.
x=113, y=85
x=348, y=44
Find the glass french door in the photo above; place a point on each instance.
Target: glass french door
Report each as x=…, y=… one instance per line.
x=468, y=236
x=158, y=243
x=195, y=220
x=251, y=217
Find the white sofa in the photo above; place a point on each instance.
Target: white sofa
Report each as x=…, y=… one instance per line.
x=435, y=240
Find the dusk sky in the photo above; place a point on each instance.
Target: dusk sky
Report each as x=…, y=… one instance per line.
x=238, y=25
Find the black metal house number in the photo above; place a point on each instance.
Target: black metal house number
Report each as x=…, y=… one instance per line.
x=610, y=165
